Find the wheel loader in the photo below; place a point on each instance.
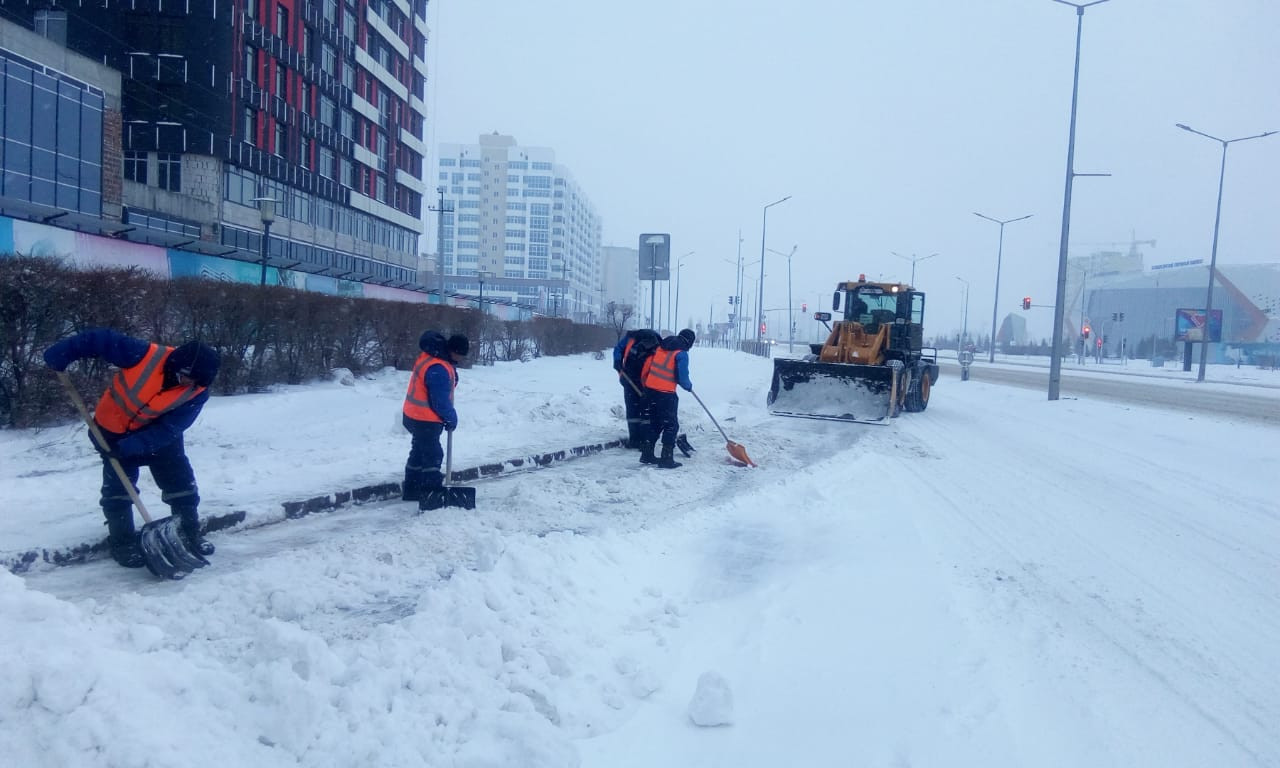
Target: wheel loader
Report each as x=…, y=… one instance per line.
x=873, y=364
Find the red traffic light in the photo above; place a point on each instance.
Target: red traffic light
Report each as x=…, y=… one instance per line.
x=1026, y=302
x=1085, y=331
x=804, y=308
x=762, y=328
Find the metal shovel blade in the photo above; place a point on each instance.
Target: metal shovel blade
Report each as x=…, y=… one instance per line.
x=460, y=496
x=739, y=453
x=166, y=552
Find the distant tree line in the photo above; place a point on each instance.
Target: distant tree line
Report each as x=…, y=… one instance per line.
x=266, y=335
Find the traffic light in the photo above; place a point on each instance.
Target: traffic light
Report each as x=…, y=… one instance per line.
x=730, y=299
x=804, y=308
x=1115, y=316
x=1026, y=302
x=1085, y=331
x=762, y=329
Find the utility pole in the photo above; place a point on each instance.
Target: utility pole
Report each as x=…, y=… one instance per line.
x=441, y=209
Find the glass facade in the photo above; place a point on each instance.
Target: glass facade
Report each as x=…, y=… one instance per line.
x=52, y=129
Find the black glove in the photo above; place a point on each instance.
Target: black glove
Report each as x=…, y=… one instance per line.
x=449, y=426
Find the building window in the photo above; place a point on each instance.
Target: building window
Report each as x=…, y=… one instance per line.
x=135, y=166
x=279, y=145
x=327, y=110
x=169, y=171
x=282, y=23
x=330, y=60
x=282, y=81
x=249, y=128
x=251, y=8
x=345, y=172
x=326, y=162
x=250, y=65
x=305, y=154
x=349, y=23
x=331, y=11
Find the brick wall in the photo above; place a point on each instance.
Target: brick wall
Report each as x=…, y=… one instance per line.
x=112, y=164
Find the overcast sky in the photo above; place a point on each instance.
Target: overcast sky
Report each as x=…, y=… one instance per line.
x=889, y=124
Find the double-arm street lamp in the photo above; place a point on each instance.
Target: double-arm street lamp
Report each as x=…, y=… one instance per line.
x=913, y=259
x=1213, y=254
x=995, y=306
x=679, y=266
x=791, y=318
x=764, y=231
x=964, y=324
x=1059, y=316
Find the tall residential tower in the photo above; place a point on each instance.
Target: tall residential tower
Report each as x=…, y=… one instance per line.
x=517, y=218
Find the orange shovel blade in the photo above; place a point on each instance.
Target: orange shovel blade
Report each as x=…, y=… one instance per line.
x=739, y=453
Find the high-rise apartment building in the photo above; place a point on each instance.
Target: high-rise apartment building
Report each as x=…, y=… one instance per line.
x=319, y=104
x=515, y=217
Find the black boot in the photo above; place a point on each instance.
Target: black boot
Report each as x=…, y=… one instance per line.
x=190, y=523
x=646, y=453
x=668, y=460
x=122, y=539
x=682, y=442
x=413, y=484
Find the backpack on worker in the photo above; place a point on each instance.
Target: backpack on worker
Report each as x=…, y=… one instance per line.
x=646, y=343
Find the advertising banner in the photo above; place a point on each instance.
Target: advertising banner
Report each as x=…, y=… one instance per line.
x=1189, y=325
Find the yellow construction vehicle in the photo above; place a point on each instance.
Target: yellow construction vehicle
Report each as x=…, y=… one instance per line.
x=872, y=365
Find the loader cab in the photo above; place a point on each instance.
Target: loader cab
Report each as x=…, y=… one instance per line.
x=875, y=305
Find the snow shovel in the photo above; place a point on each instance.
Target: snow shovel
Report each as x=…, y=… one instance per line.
x=163, y=547
x=736, y=450
x=448, y=495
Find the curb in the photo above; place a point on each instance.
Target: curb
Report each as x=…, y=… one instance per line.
x=293, y=510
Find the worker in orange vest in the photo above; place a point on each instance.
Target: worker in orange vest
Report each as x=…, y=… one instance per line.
x=428, y=410
x=152, y=400
x=664, y=371
x=629, y=356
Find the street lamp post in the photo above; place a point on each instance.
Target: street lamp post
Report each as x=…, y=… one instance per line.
x=1059, y=311
x=680, y=266
x=764, y=230
x=791, y=318
x=481, y=275
x=267, y=210
x=1213, y=254
x=913, y=259
x=964, y=324
x=995, y=306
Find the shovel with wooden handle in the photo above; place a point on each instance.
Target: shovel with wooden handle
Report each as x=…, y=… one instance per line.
x=448, y=495
x=735, y=450
x=163, y=547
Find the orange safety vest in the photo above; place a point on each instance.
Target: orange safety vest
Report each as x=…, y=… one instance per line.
x=137, y=396
x=416, y=403
x=660, y=370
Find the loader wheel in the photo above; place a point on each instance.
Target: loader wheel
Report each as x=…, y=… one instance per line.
x=918, y=397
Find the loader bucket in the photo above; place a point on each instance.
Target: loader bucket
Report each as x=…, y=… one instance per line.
x=836, y=391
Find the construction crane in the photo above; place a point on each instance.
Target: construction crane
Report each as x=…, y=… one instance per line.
x=1132, y=243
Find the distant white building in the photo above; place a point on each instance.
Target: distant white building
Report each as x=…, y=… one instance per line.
x=515, y=215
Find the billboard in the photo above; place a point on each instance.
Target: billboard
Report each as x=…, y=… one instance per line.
x=1188, y=325
x=655, y=257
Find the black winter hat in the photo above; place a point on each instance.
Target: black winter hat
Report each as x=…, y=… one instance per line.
x=459, y=345
x=688, y=336
x=195, y=360
x=432, y=342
